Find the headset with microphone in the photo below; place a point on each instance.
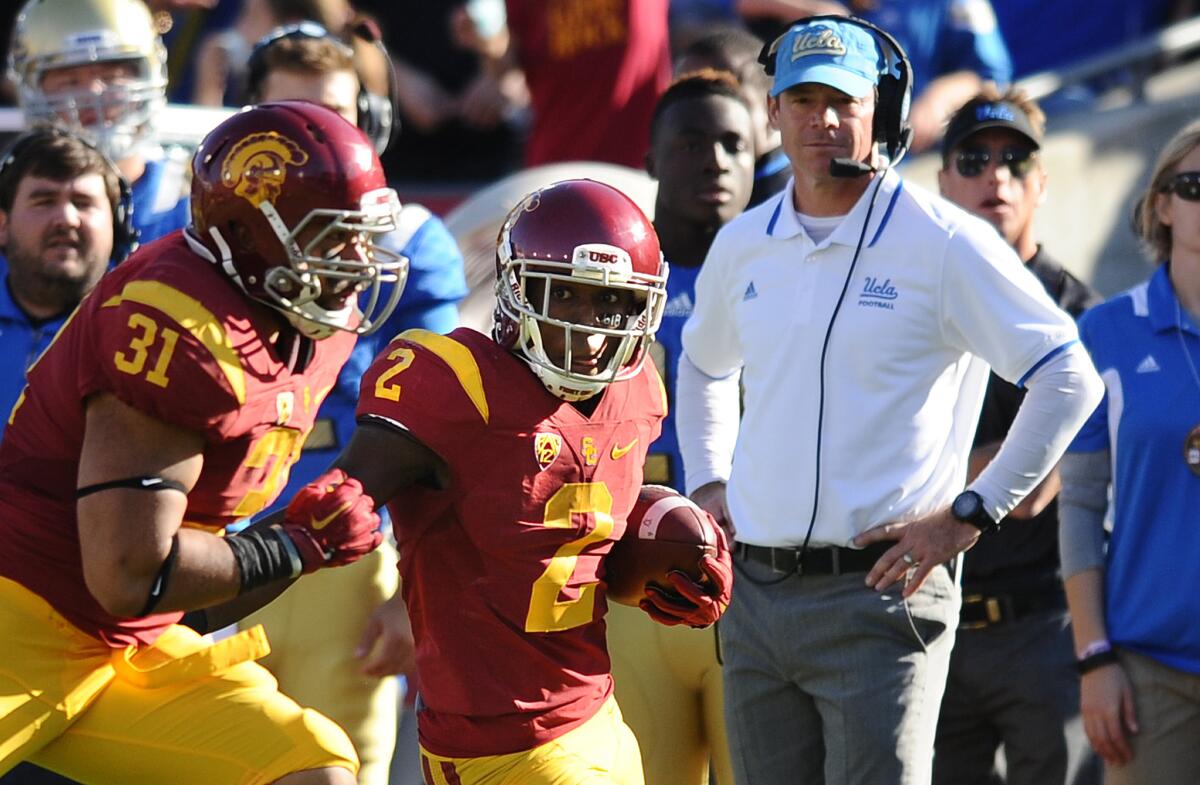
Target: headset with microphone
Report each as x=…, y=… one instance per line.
x=125, y=234
x=891, y=127
x=376, y=113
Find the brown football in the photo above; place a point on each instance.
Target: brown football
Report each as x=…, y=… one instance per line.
x=666, y=532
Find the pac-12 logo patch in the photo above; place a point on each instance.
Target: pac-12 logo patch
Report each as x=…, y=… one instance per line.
x=256, y=166
x=546, y=447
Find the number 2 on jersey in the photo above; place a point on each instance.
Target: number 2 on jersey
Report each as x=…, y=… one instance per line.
x=546, y=612
x=384, y=386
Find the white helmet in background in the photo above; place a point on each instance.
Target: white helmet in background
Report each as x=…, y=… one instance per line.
x=59, y=34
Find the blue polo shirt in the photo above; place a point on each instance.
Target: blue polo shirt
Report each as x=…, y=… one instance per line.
x=664, y=463
x=22, y=340
x=1151, y=403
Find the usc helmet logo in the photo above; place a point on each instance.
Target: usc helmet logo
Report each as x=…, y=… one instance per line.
x=256, y=166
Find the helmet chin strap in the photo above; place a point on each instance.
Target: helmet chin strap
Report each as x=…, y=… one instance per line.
x=308, y=328
x=568, y=389
x=313, y=321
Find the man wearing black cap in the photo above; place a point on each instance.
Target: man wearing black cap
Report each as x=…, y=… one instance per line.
x=1012, y=679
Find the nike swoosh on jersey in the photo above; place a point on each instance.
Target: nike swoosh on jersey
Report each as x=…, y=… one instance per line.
x=619, y=452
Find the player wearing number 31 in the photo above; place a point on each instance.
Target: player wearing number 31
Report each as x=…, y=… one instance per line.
x=172, y=403
x=511, y=462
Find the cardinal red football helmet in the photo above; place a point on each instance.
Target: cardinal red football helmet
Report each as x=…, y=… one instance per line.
x=588, y=233
x=289, y=198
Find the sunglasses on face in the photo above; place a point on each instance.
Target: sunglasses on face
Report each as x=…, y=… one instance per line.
x=973, y=162
x=1185, y=185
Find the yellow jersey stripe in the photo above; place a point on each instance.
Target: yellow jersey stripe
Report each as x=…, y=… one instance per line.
x=460, y=360
x=190, y=314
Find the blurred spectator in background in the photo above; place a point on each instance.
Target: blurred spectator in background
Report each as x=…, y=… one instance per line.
x=1137, y=458
x=63, y=219
x=458, y=115
x=8, y=19
x=315, y=629
x=954, y=46
x=595, y=69
x=668, y=679
x=98, y=68
x=735, y=50
x=1012, y=682
x=223, y=55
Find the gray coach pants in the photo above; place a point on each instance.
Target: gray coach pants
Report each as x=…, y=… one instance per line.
x=828, y=682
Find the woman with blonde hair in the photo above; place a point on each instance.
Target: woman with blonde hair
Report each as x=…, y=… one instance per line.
x=1134, y=608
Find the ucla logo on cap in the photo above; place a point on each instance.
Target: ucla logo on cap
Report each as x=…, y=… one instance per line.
x=820, y=41
x=995, y=112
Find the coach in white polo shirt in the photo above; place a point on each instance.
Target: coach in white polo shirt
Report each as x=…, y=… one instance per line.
x=861, y=314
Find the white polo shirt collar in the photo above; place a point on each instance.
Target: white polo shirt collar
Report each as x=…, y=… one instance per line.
x=784, y=224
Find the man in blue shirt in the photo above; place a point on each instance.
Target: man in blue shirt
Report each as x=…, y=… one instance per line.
x=99, y=69
x=58, y=220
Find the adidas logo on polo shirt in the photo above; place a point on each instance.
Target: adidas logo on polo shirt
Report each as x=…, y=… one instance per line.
x=750, y=293
x=1148, y=365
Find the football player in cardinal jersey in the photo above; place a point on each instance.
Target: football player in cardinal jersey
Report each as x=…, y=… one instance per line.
x=171, y=404
x=511, y=463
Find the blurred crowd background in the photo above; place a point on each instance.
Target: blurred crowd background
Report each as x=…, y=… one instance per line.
x=485, y=89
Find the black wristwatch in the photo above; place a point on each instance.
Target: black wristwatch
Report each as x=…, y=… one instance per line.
x=968, y=508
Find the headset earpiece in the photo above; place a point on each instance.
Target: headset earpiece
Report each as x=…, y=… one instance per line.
x=891, y=126
x=125, y=234
x=377, y=113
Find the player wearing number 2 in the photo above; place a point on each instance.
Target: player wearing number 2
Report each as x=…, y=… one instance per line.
x=511, y=462
x=172, y=403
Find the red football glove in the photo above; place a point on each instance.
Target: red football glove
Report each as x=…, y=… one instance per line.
x=332, y=522
x=696, y=604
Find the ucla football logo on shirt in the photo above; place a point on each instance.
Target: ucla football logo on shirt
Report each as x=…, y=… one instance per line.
x=878, y=293
x=546, y=447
